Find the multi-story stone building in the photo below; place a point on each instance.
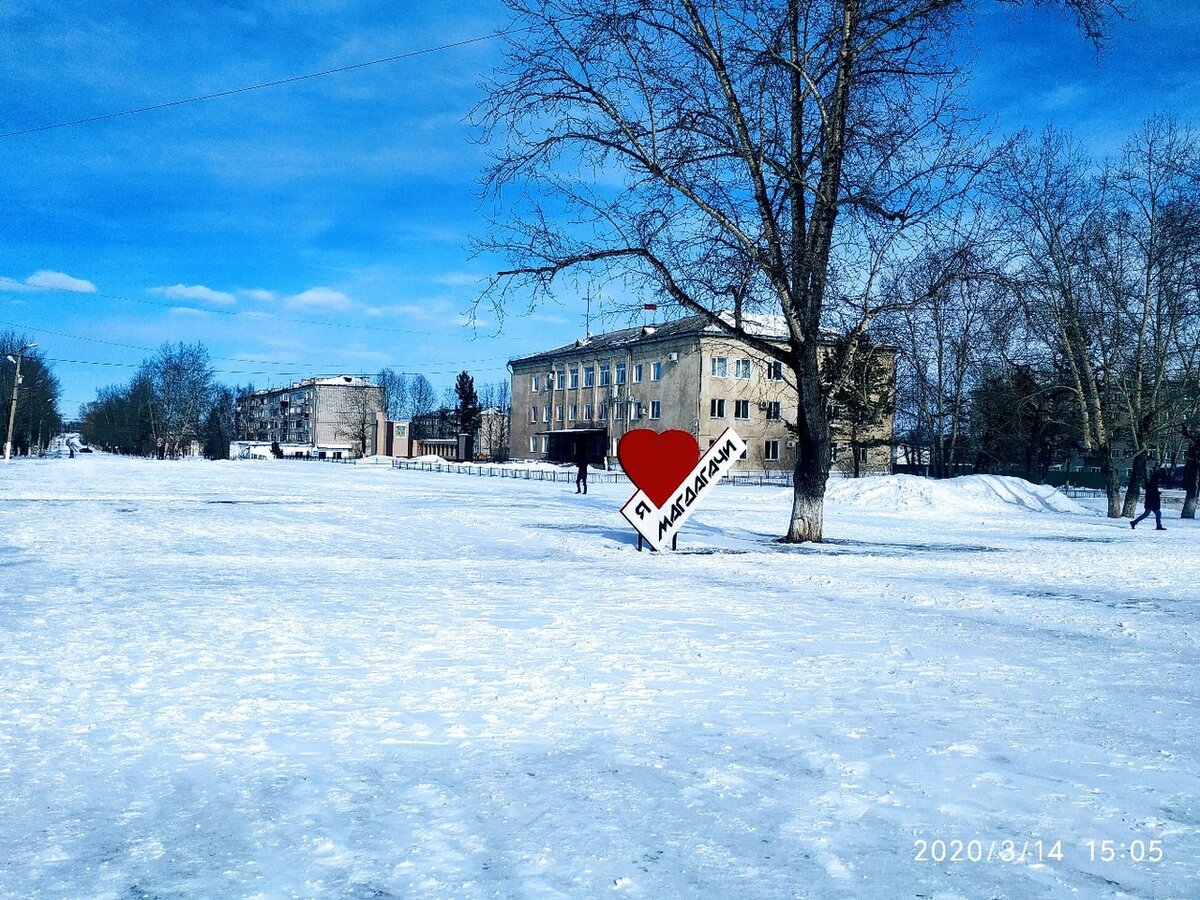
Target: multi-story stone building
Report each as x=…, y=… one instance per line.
x=326, y=418
x=686, y=374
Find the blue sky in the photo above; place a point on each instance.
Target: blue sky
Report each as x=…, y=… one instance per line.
x=323, y=226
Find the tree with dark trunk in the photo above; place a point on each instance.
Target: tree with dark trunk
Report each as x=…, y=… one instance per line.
x=421, y=398
x=467, y=409
x=396, y=391
x=766, y=155
x=35, y=418
x=1054, y=213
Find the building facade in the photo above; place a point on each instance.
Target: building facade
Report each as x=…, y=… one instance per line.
x=686, y=374
x=324, y=418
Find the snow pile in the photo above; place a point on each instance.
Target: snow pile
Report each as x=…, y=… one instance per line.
x=982, y=494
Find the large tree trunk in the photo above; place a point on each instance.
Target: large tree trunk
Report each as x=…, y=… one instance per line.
x=1137, y=478
x=1191, y=475
x=812, y=452
x=1112, y=481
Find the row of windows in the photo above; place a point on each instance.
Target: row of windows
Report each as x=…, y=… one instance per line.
x=636, y=409
x=741, y=409
x=570, y=378
x=771, y=452
x=718, y=367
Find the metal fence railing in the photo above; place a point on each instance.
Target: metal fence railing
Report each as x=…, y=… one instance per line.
x=329, y=459
x=529, y=473
x=518, y=472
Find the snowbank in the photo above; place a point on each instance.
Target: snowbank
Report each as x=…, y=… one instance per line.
x=981, y=494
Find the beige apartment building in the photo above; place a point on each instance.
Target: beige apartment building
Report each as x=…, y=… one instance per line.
x=685, y=374
x=325, y=418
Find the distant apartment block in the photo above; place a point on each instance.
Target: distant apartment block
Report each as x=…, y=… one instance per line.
x=324, y=418
x=685, y=374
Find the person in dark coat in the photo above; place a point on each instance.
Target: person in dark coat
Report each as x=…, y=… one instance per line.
x=581, y=460
x=1153, y=501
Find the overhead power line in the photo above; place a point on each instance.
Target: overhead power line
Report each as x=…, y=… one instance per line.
x=245, y=89
x=235, y=359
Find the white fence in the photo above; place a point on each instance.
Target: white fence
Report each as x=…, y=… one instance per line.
x=567, y=474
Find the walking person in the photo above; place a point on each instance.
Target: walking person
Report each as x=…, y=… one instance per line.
x=581, y=460
x=1153, y=501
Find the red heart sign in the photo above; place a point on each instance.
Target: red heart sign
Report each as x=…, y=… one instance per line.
x=658, y=463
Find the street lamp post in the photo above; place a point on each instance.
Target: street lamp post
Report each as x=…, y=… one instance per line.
x=12, y=403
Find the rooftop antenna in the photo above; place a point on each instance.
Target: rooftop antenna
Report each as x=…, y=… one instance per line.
x=587, y=321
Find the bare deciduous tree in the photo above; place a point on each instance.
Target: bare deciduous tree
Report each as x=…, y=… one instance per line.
x=761, y=155
x=181, y=379
x=422, y=398
x=1146, y=263
x=496, y=426
x=396, y=390
x=1054, y=212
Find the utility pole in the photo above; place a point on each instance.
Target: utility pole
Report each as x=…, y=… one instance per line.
x=12, y=403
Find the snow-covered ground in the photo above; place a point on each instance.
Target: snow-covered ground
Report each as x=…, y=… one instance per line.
x=287, y=680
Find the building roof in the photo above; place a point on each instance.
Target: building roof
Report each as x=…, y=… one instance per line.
x=338, y=381
x=764, y=326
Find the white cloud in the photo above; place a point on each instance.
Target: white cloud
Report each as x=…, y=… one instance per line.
x=46, y=280
x=319, y=298
x=194, y=292
x=260, y=295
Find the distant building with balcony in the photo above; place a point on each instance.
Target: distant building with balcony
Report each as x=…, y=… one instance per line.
x=687, y=374
x=322, y=418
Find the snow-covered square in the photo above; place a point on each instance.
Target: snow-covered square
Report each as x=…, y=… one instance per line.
x=264, y=679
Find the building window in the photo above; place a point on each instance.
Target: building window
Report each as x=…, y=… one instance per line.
x=771, y=451
x=716, y=408
x=635, y=409
x=656, y=371
x=741, y=368
x=603, y=412
x=533, y=414
x=774, y=410
x=587, y=412
x=533, y=384
x=558, y=413
x=605, y=377
x=589, y=377
x=533, y=443
x=561, y=379
x=618, y=411
x=637, y=373
x=862, y=454
x=718, y=366
x=620, y=373
x=545, y=445
x=545, y=413
x=573, y=412
x=834, y=451
x=574, y=379
x=774, y=370
x=741, y=409
x=655, y=409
